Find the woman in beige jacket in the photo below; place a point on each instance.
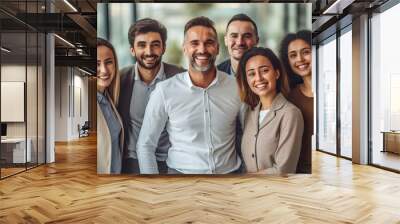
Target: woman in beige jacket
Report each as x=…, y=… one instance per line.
x=273, y=126
x=110, y=134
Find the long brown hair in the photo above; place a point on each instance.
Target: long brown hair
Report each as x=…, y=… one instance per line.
x=305, y=35
x=114, y=87
x=246, y=94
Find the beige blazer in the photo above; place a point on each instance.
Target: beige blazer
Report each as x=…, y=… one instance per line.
x=273, y=146
x=104, y=141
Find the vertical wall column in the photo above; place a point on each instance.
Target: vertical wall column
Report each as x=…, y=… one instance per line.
x=360, y=90
x=50, y=92
x=50, y=98
x=314, y=88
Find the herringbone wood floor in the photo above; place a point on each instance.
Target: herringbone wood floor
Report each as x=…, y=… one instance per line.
x=69, y=191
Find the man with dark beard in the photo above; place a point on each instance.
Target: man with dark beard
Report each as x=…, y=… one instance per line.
x=147, y=38
x=199, y=109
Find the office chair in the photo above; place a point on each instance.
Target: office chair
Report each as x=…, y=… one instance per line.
x=84, y=130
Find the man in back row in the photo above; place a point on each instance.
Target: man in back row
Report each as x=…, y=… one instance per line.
x=199, y=109
x=241, y=35
x=147, y=38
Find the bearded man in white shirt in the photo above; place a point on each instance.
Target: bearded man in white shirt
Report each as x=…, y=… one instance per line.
x=199, y=110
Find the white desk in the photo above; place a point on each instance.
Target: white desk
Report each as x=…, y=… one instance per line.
x=16, y=147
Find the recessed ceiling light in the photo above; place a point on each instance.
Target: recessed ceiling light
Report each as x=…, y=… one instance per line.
x=64, y=40
x=337, y=7
x=70, y=5
x=84, y=71
x=5, y=50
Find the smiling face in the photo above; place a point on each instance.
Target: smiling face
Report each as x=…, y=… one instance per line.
x=299, y=54
x=201, y=48
x=105, y=67
x=240, y=36
x=261, y=76
x=148, y=50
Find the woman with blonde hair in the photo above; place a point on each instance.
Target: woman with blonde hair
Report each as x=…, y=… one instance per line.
x=272, y=126
x=110, y=134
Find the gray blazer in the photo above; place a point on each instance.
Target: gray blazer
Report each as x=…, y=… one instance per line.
x=275, y=145
x=126, y=89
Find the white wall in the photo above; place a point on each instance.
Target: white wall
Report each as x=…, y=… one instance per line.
x=61, y=104
x=81, y=101
x=69, y=85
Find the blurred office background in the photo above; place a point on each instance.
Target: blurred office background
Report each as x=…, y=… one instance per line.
x=273, y=20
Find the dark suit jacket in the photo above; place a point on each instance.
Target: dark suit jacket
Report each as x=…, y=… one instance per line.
x=225, y=66
x=127, y=80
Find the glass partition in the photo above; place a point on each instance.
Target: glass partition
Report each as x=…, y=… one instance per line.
x=41, y=96
x=326, y=104
x=346, y=93
x=31, y=98
x=13, y=94
x=22, y=87
x=385, y=89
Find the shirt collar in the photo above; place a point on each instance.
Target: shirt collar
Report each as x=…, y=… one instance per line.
x=101, y=97
x=159, y=76
x=232, y=72
x=216, y=80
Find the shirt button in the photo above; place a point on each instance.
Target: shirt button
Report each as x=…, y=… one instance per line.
x=252, y=155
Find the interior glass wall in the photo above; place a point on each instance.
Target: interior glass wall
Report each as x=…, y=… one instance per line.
x=326, y=100
x=385, y=89
x=31, y=97
x=41, y=97
x=346, y=72
x=334, y=99
x=22, y=90
x=13, y=88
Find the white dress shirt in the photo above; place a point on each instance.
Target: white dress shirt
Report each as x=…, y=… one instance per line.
x=200, y=122
x=262, y=115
